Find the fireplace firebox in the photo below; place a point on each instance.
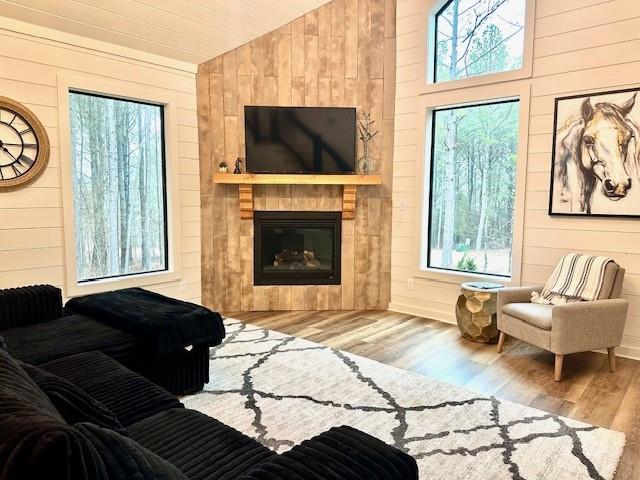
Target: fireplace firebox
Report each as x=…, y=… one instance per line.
x=297, y=248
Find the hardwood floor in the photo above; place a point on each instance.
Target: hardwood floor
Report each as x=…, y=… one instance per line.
x=521, y=373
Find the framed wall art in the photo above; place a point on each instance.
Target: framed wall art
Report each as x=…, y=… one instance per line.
x=595, y=167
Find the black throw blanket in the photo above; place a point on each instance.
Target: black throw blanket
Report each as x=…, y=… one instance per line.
x=167, y=325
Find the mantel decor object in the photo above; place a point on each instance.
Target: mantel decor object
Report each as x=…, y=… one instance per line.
x=223, y=167
x=365, y=128
x=238, y=168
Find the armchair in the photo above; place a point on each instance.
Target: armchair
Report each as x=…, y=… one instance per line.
x=568, y=328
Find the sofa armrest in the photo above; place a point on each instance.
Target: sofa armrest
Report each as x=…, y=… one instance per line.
x=341, y=453
x=581, y=326
x=24, y=306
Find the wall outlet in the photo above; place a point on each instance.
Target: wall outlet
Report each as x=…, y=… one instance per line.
x=183, y=286
x=410, y=284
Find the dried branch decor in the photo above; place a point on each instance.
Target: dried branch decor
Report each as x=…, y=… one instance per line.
x=365, y=126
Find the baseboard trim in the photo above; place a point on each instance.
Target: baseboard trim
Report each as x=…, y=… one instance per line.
x=423, y=312
x=625, y=350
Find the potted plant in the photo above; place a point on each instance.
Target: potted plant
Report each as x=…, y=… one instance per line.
x=223, y=167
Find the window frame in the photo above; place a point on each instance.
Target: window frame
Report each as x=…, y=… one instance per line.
x=520, y=91
x=432, y=126
x=431, y=8
x=168, y=102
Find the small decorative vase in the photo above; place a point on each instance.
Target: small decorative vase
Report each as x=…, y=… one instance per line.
x=223, y=169
x=364, y=162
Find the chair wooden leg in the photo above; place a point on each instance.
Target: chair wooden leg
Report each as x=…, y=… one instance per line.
x=612, y=358
x=503, y=337
x=557, y=376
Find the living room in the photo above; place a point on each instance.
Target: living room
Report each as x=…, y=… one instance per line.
x=346, y=239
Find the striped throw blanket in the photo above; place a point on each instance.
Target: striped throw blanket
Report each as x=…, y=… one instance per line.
x=577, y=277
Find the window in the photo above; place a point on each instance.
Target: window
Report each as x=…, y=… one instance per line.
x=472, y=187
x=478, y=37
x=118, y=177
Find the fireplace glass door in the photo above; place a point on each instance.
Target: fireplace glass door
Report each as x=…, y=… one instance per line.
x=297, y=248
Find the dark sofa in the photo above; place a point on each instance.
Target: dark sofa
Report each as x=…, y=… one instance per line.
x=36, y=330
x=85, y=416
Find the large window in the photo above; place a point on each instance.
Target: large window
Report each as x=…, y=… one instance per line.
x=478, y=37
x=119, y=197
x=471, y=185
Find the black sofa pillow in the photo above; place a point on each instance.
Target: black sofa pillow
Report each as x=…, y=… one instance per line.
x=37, y=443
x=73, y=403
x=18, y=390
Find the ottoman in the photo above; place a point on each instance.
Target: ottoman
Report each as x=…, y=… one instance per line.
x=175, y=335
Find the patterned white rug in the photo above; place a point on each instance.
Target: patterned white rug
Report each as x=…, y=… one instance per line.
x=282, y=390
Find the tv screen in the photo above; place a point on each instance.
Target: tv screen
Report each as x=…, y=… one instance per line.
x=300, y=139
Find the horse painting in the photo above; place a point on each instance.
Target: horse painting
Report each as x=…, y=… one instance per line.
x=596, y=157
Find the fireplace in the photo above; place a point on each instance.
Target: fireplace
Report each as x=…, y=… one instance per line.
x=297, y=248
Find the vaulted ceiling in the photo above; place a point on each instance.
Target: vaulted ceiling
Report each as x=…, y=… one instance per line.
x=188, y=30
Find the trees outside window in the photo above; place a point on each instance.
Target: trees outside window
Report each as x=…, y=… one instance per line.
x=473, y=150
x=472, y=188
x=478, y=37
x=119, y=197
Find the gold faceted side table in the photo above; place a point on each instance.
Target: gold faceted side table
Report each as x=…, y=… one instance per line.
x=476, y=312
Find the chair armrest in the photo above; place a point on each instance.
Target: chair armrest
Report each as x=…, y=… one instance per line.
x=24, y=306
x=516, y=294
x=581, y=326
x=341, y=453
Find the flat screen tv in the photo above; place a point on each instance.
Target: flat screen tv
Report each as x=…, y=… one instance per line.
x=300, y=139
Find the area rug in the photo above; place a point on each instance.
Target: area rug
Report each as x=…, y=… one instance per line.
x=282, y=390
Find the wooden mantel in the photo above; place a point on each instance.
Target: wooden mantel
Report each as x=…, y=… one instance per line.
x=245, y=182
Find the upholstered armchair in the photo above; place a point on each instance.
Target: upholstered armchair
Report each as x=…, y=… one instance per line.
x=568, y=328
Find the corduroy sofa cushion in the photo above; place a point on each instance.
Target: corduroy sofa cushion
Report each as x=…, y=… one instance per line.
x=69, y=335
x=35, y=441
x=18, y=389
x=339, y=453
x=128, y=395
x=24, y=306
x=202, y=447
x=73, y=403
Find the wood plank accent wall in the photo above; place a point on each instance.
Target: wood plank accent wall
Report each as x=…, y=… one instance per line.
x=342, y=54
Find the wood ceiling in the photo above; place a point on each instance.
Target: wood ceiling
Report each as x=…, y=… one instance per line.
x=192, y=31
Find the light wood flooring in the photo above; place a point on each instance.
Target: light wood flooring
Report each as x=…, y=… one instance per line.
x=522, y=373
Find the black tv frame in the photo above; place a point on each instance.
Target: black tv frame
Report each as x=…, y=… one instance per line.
x=248, y=160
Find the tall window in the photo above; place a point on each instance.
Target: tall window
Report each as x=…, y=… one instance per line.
x=477, y=37
x=118, y=170
x=472, y=188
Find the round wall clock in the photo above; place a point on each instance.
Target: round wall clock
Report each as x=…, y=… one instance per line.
x=24, y=145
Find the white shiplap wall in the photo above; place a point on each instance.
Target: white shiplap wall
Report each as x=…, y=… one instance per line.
x=580, y=46
x=31, y=226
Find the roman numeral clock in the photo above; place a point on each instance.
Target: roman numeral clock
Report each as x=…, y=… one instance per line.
x=24, y=145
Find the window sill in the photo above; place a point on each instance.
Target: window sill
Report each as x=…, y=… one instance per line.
x=457, y=278
x=104, y=285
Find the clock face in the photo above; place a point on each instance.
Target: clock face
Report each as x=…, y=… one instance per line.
x=23, y=145
x=18, y=145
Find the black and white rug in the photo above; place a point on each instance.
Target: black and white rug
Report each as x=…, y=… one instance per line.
x=282, y=390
